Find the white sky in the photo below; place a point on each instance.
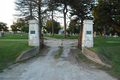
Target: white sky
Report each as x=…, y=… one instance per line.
x=7, y=11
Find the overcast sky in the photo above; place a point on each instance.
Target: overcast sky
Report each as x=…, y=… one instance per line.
x=7, y=11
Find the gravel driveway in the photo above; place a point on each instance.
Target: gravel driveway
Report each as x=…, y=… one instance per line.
x=45, y=67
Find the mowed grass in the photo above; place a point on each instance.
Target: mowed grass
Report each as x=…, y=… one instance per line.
x=62, y=36
x=110, y=53
x=10, y=50
x=100, y=38
x=15, y=36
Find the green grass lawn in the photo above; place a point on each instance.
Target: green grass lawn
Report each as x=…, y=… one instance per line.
x=25, y=36
x=15, y=36
x=10, y=50
x=62, y=36
x=110, y=53
x=100, y=38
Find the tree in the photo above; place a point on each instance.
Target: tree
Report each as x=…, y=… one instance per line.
x=107, y=15
x=102, y=15
x=25, y=28
x=24, y=8
x=81, y=8
x=116, y=15
x=3, y=26
x=64, y=5
x=51, y=7
x=55, y=24
x=35, y=6
x=16, y=26
x=74, y=26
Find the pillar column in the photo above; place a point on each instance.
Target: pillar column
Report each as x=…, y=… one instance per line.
x=87, y=40
x=33, y=33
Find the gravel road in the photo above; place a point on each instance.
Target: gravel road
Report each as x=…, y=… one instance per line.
x=45, y=67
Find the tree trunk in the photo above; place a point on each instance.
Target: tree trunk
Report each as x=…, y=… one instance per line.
x=100, y=33
x=40, y=25
x=64, y=25
x=52, y=24
x=65, y=12
x=81, y=28
x=31, y=10
x=81, y=31
x=104, y=32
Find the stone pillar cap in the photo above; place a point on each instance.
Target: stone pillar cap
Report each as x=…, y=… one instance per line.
x=33, y=21
x=88, y=21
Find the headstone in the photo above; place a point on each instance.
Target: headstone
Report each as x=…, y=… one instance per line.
x=33, y=33
x=61, y=32
x=73, y=34
x=2, y=34
x=87, y=40
x=47, y=33
x=21, y=34
x=76, y=33
x=70, y=33
x=102, y=34
x=115, y=35
x=50, y=34
x=94, y=34
x=110, y=34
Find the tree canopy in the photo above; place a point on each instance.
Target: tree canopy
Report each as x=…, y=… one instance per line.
x=3, y=26
x=49, y=26
x=74, y=26
x=16, y=26
x=25, y=28
x=106, y=15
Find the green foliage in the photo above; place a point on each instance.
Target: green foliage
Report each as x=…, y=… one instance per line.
x=55, y=24
x=107, y=14
x=102, y=13
x=25, y=28
x=74, y=26
x=3, y=26
x=10, y=50
x=16, y=26
x=81, y=9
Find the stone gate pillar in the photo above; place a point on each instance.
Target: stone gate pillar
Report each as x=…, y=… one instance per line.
x=87, y=40
x=33, y=33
